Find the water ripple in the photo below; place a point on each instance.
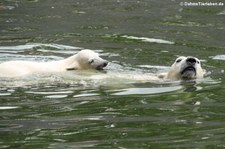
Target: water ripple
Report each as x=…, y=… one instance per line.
x=142, y=91
x=145, y=39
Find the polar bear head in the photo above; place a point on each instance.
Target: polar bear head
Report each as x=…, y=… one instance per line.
x=87, y=59
x=185, y=68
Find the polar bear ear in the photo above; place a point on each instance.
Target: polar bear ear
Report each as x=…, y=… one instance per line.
x=72, y=66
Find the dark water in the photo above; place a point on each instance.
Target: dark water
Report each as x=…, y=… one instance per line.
x=58, y=111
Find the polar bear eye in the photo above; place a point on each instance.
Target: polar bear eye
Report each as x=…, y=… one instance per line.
x=198, y=62
x=179, y=60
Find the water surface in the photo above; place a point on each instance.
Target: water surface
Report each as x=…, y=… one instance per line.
x=138, y=38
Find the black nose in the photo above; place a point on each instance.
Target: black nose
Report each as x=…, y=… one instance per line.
x=191, y=60
x=105, y=64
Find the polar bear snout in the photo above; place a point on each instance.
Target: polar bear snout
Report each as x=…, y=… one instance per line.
x=189, y=68
x=105, y=64
x=98, y=63
x=101, y=65
x=191, y=60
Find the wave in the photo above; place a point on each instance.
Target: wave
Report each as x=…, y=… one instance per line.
x=145, y=39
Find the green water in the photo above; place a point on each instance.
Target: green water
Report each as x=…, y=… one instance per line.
x=57, y=111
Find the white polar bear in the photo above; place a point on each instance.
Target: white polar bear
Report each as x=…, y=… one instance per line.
x=184, y=68
x=85, y=59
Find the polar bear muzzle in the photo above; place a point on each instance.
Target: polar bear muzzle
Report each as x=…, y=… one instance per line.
x=189, y=69
x=99, y=64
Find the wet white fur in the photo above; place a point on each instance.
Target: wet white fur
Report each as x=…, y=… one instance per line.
x=81, y=60
x=174, y=72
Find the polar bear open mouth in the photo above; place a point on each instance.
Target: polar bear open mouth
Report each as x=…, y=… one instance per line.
x=188, y=72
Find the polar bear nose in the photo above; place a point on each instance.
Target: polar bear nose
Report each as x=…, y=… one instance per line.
x=105, y=64
x=191, y=60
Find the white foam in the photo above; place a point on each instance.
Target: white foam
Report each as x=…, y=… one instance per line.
x=221, y=13
x=142, y=91
x=218, y=57
x=8, y=108
x=156, y=67
x=33, y=45
x=145, y=39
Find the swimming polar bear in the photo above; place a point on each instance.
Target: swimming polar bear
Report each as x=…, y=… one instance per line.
x=85, y=59
x=184, y=68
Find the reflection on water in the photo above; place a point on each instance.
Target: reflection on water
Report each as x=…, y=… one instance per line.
x=134, y=91
x=121, y=108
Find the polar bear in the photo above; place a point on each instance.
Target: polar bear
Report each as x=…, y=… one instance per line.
x=184, y=68
x=85, y=59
